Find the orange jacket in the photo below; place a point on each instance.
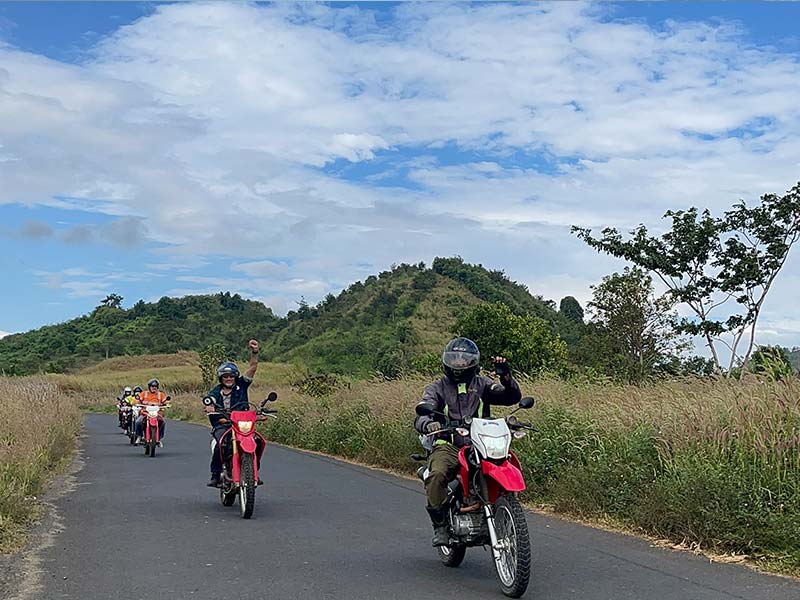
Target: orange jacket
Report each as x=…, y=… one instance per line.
x=148, y=397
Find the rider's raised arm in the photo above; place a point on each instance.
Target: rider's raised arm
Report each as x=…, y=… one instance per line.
x=504, y=393
x=251, y=370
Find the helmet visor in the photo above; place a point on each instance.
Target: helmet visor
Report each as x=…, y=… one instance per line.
x=459, y=361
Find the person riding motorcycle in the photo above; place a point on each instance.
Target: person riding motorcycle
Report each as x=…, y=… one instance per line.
x=151, y=396
x=122, y=401
x=230, y=394
x=137, y=395
x=461, y=393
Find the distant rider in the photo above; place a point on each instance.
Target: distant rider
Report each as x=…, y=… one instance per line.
x=230, y=394
x=461, y=393
x=122, y=401
x=151, y=397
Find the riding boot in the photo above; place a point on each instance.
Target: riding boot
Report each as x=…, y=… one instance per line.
x=441, y=537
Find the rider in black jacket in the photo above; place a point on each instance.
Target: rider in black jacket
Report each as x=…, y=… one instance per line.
x=230, y=394
x=461, y=393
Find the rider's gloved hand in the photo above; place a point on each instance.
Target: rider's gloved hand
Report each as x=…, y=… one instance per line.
x=501, y=368
x=433, y=427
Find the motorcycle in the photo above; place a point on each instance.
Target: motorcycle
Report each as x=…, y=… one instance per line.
x=482, y=504
x=151, y=438
x=129, y=422
x=237, y=447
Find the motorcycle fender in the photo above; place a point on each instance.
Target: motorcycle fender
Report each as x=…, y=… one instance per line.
x=247, y=444
x=506, y=475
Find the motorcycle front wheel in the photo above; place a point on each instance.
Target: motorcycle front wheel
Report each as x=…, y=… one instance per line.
x=247, y=486
x=512, y=561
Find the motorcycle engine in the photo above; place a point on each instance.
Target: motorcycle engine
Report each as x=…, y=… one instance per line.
x=471, y=526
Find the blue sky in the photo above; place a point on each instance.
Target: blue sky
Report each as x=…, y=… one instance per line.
x=285, y=151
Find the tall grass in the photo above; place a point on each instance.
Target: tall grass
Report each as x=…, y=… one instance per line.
x=37, y=431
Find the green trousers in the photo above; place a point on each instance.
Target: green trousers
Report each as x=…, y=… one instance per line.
x=443, y=466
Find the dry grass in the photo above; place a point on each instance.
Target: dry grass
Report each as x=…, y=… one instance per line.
x=37, y=432
x=147, y=361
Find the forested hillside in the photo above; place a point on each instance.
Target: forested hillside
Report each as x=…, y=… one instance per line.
x=169, y=325
x=380, y=324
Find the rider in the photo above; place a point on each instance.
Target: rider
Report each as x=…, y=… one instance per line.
x=230, y=394
x=461, y=393
x=151, y=396
x=127, y=392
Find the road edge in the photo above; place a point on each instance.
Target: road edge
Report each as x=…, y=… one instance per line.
x=22, y=570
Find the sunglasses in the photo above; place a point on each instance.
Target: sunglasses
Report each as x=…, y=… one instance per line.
x=229, y=377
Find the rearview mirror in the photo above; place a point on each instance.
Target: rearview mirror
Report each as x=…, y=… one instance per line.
x=271, y=397
x=208, y=401
x=526, y=402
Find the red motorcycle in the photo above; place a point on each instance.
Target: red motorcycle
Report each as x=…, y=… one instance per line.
x=482, y=503
x=241, y=447
x=152, y=416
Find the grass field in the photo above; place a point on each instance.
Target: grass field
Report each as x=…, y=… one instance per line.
x=38, y=426
x=711, y=464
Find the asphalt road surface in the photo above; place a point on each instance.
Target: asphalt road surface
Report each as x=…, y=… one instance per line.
x=140, y=528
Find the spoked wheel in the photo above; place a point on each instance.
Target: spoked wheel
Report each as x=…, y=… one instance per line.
x=512, y=561
x=452, y=556
x=247, y=486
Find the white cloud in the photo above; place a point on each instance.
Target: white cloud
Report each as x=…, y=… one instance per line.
x=4, y=334
x=221, y=150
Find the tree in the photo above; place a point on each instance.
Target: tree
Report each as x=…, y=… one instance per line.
x=571, y=309
x=708, y=263
x=524, y=339
x=112, y=301
x=211, y=357
x=637, y=324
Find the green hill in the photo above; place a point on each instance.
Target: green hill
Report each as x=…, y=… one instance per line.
x=166, y=326
x=379, y=324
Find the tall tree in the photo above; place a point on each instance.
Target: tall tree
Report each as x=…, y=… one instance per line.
x=710, y=264
x=112, y=301
x=637, y=323
x=524, y=339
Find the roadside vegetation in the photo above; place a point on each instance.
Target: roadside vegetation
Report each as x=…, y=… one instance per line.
x=38, y=427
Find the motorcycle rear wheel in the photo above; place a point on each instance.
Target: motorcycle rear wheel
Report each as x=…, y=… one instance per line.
x=452, y=556
x=512, y=564
x=247, y=487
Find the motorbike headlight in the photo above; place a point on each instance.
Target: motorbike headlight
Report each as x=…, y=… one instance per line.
x=496, y=447
x=245, y=426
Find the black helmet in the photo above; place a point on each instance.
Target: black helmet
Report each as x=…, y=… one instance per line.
x=227, y=368
x=137, y=390
x=461, y=360
x=152, y=382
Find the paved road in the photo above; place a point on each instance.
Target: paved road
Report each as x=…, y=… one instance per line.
x=140, y=528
